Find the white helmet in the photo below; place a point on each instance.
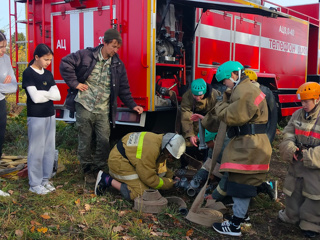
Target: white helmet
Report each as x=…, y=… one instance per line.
x=174, y=143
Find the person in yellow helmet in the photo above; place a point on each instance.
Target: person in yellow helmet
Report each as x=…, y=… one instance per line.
x=301, y=148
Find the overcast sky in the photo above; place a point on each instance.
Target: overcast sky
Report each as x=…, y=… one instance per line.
x=4, y=16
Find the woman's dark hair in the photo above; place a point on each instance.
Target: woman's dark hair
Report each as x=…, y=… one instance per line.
x=40, y=51
x=2, y=37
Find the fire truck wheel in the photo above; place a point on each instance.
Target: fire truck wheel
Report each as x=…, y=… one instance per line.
x=272, y=112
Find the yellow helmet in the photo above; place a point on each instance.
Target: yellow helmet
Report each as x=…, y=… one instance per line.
x=308, y=90
x=251, y=74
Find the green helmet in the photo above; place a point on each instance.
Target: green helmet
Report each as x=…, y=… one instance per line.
x=225, y=70
x=208, y=136
x=198, y=87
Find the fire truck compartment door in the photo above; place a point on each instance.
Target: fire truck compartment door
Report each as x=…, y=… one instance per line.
x=77, y=29
x=251, y=8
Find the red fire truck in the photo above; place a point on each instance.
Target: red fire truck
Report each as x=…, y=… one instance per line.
x=168, y=43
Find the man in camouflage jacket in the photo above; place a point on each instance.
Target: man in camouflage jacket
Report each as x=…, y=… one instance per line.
x=96, y=77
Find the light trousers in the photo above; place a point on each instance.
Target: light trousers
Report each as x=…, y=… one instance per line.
x=41, y=150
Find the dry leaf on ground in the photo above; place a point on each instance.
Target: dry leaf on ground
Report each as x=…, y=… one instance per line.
x=35, y=223
x=19, y=233
x=45, y=216
x=77, y=202
x=189, y=232
x=42, y=229
x=87, y=207
x=117, y=229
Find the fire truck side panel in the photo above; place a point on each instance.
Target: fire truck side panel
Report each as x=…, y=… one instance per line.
x=75, y=30
x=313, y=61
x=284, y=51
x=281, y=49
x=213, y=41
x=135, y=49
x=247, y=42
x=61, y=47
x=312, y=10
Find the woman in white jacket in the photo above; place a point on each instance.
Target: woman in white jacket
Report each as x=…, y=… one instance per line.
x=8, y=84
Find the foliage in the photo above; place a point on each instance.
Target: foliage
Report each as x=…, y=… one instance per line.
x=21, y=37
x=22, y=54
x=66, y=136
x=16, y=138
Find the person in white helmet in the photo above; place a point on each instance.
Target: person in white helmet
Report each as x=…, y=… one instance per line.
x=138, y=162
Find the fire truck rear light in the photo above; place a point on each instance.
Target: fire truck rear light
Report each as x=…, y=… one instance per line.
x=204, y=73
x=59, y=113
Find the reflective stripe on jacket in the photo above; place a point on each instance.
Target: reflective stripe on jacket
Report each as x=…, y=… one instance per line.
x=144, y=160
x=306, y=131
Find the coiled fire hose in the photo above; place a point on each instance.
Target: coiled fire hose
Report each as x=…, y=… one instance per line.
x=152, y=202
x=207, y=216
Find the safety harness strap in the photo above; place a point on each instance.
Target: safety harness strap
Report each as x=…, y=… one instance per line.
x=247, y=129
x=121, y=149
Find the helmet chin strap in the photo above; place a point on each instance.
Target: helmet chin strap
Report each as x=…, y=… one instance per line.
x=238, y=80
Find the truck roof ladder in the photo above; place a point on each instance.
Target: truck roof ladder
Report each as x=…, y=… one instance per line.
x=287, y=10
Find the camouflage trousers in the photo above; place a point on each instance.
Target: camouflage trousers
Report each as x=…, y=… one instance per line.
x=93, y=139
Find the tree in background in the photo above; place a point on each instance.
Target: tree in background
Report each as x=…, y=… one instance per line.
x=22, y=57
x=22, y=53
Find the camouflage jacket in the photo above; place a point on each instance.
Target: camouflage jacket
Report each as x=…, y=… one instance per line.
x=76, y=67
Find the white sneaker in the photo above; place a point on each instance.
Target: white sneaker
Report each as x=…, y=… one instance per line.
x=49, y=186
x=4, y=194
x=41, y=190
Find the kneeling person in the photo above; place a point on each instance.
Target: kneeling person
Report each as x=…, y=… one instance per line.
x=138, y=162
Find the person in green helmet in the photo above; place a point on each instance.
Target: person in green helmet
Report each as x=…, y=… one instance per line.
x=199, y=99
x=247, y=156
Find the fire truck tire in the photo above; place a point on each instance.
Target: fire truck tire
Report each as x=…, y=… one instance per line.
x=272, y=112
x=272, y=109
